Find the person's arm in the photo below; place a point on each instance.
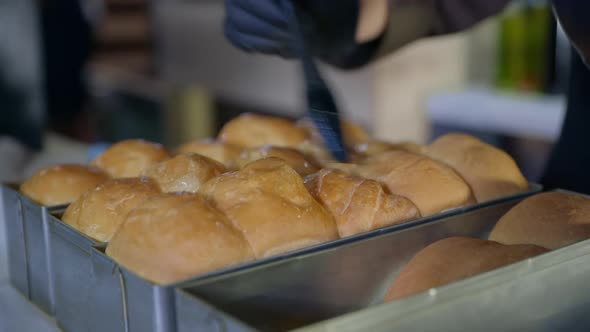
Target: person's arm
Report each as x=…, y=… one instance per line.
x=400, y=22
x=349, y=33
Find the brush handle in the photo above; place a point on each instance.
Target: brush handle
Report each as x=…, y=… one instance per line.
x=310, y=70
x=322, y=107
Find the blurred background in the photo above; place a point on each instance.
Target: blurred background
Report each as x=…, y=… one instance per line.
x=98, y=71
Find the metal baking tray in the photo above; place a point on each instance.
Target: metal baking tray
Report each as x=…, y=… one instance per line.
x=549, y=293
x=147, y=306
x=142, y=305
x=28, y=247
x=90, y=292
x=122, y=301
x=196, y=315
x=106, y=307
x=151, y=307
x=79, y=277
x=67, y=274
x=345, y=276
x=15, y=237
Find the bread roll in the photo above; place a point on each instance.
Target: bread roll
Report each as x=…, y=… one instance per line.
x=294, y=158
x=358, y=205
x=184, y=173
x=61, y=184
x=490, y=172
x=431, y=185
x=250, y=130
x=99, y=212
x=227, y=154
x=371, y=148
x=172, y=237
x=268, y=202
x=453, y=259
x=352, y=133
x=317, y=151
x=130, y=158
x=348, y=168
x=551, y=220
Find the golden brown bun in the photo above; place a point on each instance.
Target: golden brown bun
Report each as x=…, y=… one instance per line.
x=294, y=158
x=269, y=203
x=372, y=148
x=358, y=205
x=184, y=173
x=352, y=133
x=431, y=185
x=226, y=154
x=99, y=212
x=551, y=220
x=130, y=158
x=172, y=237
x=316, y=151
x=347, y=168
x=250, y=130
x=490, y=172
x=61, y=184
x=453, y=259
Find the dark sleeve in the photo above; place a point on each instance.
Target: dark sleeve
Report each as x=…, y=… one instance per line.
x=414, y=19
x=570, y=160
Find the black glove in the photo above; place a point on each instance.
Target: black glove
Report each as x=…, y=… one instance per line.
x=329, y=27
x=573, y=16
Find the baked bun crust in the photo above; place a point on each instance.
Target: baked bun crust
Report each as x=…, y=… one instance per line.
x=184, y=172
x=130, y=158
x=269, y=203
x=358, y=205
x=453, y=259
x=99, y=212
x=227, y=154
x=172, y=237
x=61, y=184
x=551, y=220
x=296, y=159
x=490, y=172
x=431, y=185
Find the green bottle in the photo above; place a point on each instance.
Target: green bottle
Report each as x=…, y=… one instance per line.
x=525, y=30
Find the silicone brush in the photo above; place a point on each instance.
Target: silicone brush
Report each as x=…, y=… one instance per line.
x=321, y=106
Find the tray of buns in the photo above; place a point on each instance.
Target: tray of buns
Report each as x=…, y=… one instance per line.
x=516, y=263
x=141, y=221
x=548, y=293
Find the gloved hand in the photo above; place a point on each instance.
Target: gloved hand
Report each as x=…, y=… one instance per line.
x=573, y=16
x=329, y=27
